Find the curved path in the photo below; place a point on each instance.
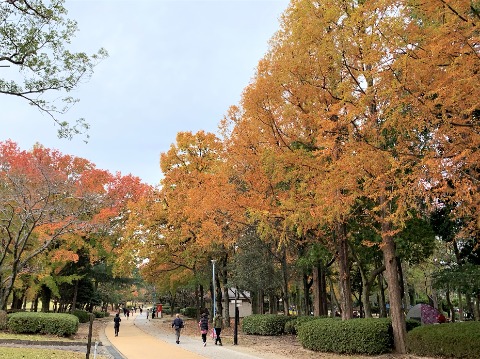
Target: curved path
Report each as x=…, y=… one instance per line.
x=140, y=339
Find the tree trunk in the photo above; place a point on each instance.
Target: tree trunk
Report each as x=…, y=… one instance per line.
x=477, y=308
x=35, y=303
x=394, y=290
x=406, y=301
x=382, y=303
x=285, y=281
x=46, y=297
x=17, y=300
x=367, y=307
x=306, y=295
x=197, y=299
x=333, y=300
x=261, y=302
x=75, y=292
x=271, y=303
x=319, y=290
x=226, y=295
x=344, y=272
x=202, y=301
x=451, y=310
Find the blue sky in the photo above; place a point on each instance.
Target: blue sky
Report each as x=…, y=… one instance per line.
x=174, y=65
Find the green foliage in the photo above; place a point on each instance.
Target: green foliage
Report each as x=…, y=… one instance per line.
x=166, y=309
x=465, y=277
x=450, y=340
x=367, y=336
x=264, y=324
x=100, y=314
x=82, y=315
x=261, y=276
x=416, y=242
x=412, y=324
x=43, y=323
x=291, y=327
x=190, y=312
x=34, y=39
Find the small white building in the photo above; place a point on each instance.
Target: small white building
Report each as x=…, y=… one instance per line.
x=242, y=300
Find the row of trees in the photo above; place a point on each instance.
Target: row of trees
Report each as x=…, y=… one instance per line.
x=356, y=144
x=60, y=222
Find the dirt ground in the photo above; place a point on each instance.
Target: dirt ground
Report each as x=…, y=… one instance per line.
x=84, y=328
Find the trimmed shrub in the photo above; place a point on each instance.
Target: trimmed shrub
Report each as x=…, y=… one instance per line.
x=264, y=324
x=43, y=323
x=412, y=324
x=450, y=340
x=190, y=312
x=82, y=315
x=99, y=314
x=368, y=336
x=166, y=310
x=291, y=327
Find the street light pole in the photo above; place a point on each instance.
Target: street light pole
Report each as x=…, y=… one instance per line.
x=214, y=289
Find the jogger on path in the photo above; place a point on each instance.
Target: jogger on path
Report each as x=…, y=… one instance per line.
x=116, y=324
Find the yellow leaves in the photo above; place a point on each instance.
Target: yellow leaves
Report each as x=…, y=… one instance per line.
x=63, y=255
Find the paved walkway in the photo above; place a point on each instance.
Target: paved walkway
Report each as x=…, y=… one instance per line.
x=140, y=339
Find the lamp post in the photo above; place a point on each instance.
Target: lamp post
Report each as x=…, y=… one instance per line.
x=214, y=289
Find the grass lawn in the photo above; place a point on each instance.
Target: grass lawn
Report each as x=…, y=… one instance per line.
x=22, y=353
x=33, y=337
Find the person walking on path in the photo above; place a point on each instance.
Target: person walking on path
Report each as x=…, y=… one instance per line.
x=203, y=324
x=116, y=323
x=218, y=326
x=177, y=325
x=148, y=312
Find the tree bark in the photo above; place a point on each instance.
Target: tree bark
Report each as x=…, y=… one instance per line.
x=346, y=303
x=394, y=290
x=261, y=302
x=285, y=282
x=319, y=288
x=46, y=296
x=306, y=295
x=75, y=293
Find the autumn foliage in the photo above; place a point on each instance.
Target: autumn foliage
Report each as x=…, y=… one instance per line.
x=52, y=207
x=362, y=117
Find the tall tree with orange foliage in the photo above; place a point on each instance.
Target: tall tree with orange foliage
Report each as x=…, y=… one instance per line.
x=336, y=87
x=179, y=228
x=44, y=196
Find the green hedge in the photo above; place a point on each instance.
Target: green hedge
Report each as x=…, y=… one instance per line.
x=190, y=312
x=451, y=340
x=264, y=324
x=291, y=327
x=99, y=314
x=82, y=315
x=368, y=336
x=43, y=323
x=412, y=324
